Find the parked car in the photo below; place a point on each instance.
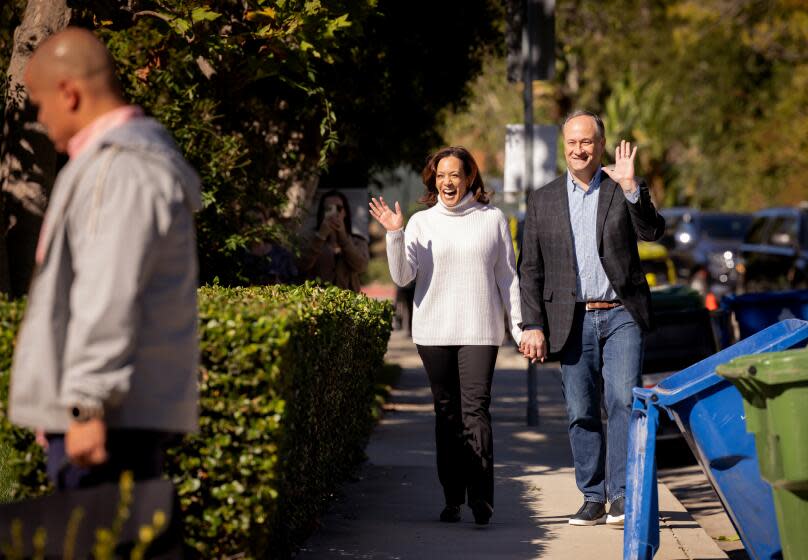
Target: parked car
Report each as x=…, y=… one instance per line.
x=673, y=217
x=704, y=247
x=774, y=254
x=656, y=264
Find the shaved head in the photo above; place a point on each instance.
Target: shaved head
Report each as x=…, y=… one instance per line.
x=75, y=53
x=71, y=81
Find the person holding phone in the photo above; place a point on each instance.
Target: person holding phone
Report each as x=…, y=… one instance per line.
x=460, y=254
x=334, y=254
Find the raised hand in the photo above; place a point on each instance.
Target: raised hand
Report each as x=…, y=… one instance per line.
x=622, y=172
x=391, y=220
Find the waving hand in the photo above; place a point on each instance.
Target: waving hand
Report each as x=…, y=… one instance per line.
x=622, y=172
x=391, y=220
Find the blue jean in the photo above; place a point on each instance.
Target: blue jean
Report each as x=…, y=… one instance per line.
x=604, y=349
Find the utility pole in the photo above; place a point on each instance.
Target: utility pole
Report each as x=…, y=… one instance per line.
x=531, y=58
x=528, y=46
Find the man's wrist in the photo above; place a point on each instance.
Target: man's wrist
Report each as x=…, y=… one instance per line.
x=630, y=186
x=633, y=194
x=83, y=412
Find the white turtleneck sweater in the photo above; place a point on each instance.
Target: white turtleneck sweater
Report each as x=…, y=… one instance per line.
x=464, y=268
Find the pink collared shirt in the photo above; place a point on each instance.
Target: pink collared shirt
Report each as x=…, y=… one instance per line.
x=101, y=126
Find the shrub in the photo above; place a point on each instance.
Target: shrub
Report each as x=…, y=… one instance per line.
x=287, y=383
x=22, y=470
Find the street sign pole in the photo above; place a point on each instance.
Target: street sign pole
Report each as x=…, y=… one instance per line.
x=528, y=53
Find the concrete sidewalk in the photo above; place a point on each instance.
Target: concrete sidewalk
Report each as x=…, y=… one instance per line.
x=391, y=511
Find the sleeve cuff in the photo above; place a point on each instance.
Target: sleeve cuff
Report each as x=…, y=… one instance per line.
x=633, y=197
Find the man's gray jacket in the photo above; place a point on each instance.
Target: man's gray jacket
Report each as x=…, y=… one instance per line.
x=547, y=267
x=111, y=318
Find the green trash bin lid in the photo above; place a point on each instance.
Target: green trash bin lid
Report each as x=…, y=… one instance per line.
x=775, y=368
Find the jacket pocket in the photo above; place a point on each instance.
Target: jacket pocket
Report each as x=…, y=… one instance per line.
x=548, y=295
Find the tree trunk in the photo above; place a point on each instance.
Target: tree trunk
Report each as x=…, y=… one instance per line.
x=28, y=161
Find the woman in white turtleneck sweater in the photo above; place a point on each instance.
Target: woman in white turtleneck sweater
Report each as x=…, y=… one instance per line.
x=459, y=252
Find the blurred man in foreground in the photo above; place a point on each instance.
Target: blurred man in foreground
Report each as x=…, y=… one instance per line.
x=106, y=361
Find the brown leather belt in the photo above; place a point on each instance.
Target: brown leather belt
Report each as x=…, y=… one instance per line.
x=592, y=305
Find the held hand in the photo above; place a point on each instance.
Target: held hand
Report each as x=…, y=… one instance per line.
x=622, y=172
x=391, y=220
x=86, y=443
x=533, y=345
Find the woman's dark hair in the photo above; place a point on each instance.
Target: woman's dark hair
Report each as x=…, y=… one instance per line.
x=321, y=209
x=470, y=168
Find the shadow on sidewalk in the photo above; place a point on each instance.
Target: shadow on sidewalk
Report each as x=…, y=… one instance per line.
x=391, y=511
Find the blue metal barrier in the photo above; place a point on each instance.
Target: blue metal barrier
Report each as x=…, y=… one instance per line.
x=709, y=411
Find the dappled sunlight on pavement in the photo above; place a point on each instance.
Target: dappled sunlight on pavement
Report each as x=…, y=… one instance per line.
x=391, y=511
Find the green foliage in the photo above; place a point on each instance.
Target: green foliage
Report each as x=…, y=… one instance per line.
x=412, y=62
x=239, y=85
x=256, y=94
x=378, y=271
x=22, y=474
x=712, y=91
x=494, y=103
x=290, y=379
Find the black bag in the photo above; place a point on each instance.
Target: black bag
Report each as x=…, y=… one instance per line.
x=99, y=506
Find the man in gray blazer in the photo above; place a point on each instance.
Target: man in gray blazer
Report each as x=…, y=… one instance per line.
x=585, y=301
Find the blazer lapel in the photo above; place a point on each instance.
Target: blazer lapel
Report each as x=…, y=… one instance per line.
x=607, y=190
x=561, y=204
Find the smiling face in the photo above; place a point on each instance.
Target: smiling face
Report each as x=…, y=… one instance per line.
x=451, y=180
x=583, y=147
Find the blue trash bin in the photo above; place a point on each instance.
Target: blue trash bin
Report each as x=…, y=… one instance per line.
x=709, y=411
x=755, y=312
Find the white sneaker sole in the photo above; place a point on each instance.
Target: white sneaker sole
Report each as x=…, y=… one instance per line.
x=616, y=520
x=585, y=523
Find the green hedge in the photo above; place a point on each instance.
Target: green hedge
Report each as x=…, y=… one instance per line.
x=288, y=395
x=22, y=462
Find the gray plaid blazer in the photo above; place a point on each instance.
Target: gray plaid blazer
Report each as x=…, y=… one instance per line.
x=547, y=268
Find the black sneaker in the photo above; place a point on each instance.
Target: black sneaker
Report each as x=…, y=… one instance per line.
x=482, y=511
x=591, y=513
x=450, y=514
x=617, y=512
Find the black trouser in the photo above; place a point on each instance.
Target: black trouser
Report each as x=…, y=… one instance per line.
x=460, y=377
x=139, y=451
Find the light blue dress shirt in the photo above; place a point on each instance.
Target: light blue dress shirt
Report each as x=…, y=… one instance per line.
x=592, y=282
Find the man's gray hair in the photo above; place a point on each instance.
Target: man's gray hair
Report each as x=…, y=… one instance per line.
x=585, y=113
